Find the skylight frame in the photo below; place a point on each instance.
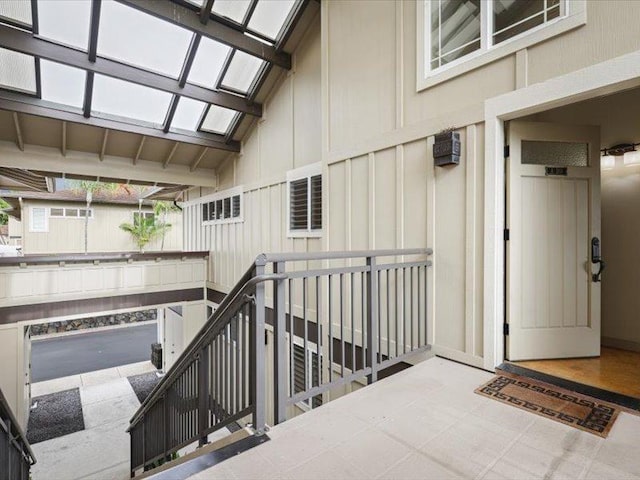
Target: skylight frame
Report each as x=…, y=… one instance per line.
x=229, y=127
x=18, y=24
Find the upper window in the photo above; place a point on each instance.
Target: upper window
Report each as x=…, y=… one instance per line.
x=223, y=207
x=458, y=31
x=38, y=221
x=305, y=201
x=70, y=212
x=146, y=215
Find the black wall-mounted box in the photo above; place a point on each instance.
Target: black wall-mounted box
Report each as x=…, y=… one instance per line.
x=446, y=149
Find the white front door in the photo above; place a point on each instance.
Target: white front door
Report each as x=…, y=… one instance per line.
x=553, y=215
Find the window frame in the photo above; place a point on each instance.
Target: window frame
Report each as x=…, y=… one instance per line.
x=306, y=172
x=46, y=220
x=221, y=197
x=574, y=16
x=145, y=214
x=64, y=213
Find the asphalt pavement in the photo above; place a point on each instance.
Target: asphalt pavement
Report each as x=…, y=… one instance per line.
x=85, y=352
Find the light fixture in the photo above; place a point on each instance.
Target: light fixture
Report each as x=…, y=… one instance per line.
x=607, y=162
x=628, y=150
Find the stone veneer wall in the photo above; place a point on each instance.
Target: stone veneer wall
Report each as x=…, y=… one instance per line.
x=94, y=322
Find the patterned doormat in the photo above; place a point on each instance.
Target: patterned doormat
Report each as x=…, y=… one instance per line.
x=570, y=408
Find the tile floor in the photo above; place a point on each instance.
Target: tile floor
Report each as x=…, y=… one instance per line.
x=426, y=423
x=101, y=450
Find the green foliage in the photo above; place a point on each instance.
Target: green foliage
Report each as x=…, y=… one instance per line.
x=160, y=210
x=144, y=230
x=4, y=218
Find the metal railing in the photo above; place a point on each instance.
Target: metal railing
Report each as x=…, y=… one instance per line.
x=353, y=313
x=16, y=456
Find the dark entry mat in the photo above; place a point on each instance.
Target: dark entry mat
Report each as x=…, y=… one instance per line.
x=570, y=408
x=143, y=384
x=56, y=414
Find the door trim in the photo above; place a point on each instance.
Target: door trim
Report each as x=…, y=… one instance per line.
x=604, y=78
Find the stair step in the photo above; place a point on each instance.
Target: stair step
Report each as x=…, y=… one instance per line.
x=206, y=456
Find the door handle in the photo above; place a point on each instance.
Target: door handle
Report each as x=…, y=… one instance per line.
x=596, y=258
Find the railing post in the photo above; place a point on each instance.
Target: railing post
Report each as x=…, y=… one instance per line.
x=280, y=368
x=259, y=381
x=203, y=396
x=372, y=319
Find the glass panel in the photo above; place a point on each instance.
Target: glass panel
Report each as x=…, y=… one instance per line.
x=511, y=17
x=227, y=207
x=65, y=21
x=561, y=154
x=188, y=114
x=124, y=99
x=17, y=71
x=62, y=84
x=212, y=211
x=233, y=9
x=218, y=119
x=236, y=206
x=316, y=202
x=18, y=10
x=299, y=211
x=269, y=16
x=131, y=36
x=208, y=63
x=70, y=212
x=242, y=71
x=455, y=30
x=218, y=209
x=57, y=212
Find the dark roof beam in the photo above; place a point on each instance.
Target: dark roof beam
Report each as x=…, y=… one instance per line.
x=186, y=18
x=24, y=42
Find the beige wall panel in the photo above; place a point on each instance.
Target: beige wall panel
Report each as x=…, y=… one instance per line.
x=248, y=163
x=414, y=194
x=9, y=373
x=611, y=31
x=337, y=216
x=359, y=210
x=307, y=123
x=276, y=134
x=449, y=228
x=385, y=219
x=226, y=175
x=362, y=70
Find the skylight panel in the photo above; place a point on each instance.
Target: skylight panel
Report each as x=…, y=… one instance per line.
x=218, y=119
x=124, y=99
x=269, y=17
x=16, y=10
x=17, y=71
x=62, y=84
x=130, y=36
x=232, y=9
x=65, y=21
x=242, y=71
x=188, y=114
x=208, y=62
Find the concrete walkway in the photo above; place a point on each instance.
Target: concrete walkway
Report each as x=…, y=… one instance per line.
x=427, y=423
x=101, y=451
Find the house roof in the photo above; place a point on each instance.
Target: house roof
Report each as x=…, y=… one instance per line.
x=172, y=82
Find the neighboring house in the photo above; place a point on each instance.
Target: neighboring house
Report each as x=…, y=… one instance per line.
x=55, y=222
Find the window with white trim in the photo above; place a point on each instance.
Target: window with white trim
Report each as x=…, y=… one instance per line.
x=455, y=36
x=38, y=220
x=304, y=212
x=70, y=212
x=222, y=207
x=306, y=372
x=145, y=215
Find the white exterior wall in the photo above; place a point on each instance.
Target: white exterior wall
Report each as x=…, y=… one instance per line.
x=66, y=235
x=381, y=189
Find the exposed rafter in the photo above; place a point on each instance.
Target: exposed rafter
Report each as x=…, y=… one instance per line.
x=187, y=18
x=92, y=55
x=63, y=144
x=139, y=151
x=16, y=125
x=182, y=80
x=24, y=42
x=170, y=156
x=197, y=161
x=105, y=138
x=33, y=106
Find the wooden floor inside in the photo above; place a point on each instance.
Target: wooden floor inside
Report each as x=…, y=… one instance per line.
x=615, y=370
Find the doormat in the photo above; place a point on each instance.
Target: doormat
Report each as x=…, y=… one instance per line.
x=55, y=415
x=564, y=406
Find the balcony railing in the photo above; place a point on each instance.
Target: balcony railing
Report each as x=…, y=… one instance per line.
x=357, y=312
x=16, y=456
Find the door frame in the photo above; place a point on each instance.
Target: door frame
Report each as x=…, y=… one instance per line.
x=611, y=76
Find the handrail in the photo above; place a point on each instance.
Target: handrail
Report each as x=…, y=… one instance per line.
x=302, y=256
x=48, y=259
x=200, y=340
x=19, y=434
